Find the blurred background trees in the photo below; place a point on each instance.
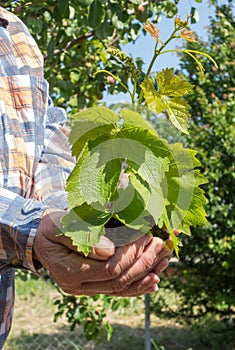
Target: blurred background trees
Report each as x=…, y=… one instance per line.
x=74, y=36
x=206, y=281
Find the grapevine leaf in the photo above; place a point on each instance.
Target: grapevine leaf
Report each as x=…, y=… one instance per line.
x=164, y=220
x=85, y=239
x=161, y=183
x=147, y=178
x=153, y=168
x=141, y=160
x=121, y=200
x=86, y=214
x=153, y=99
x=135, y=119
x=172, y=85
x=178, y=112
x=75, y=195
x=93, y=179
x=145, y=139
x=182, y=159
x=134, y=215
x=84, y=225
x=186, y=200
x=89, y=125
x=153, y=197
x=168, y=98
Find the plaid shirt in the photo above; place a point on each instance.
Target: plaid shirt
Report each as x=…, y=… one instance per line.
x=35, y=157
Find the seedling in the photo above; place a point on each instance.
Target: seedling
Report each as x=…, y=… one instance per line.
x=127, y=179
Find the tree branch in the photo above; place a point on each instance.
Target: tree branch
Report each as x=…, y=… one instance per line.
x=72, y=43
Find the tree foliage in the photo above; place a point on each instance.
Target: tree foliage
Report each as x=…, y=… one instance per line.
x=208, y=255
x=74, y=35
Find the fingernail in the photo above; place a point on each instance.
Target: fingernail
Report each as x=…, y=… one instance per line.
x=155, y=288
x=157, y=279
x=104, y=243
x=164, y=263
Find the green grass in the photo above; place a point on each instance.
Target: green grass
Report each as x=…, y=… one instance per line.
x=34, y=329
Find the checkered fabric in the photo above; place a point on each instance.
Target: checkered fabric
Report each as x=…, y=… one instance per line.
x=35, y=157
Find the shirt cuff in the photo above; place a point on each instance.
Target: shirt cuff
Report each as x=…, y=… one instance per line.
x=19, y=221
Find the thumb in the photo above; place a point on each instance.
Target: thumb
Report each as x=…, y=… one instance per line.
x=51, y=222
x=102, y=250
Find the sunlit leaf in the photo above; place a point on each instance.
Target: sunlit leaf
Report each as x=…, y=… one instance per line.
x=168, y=97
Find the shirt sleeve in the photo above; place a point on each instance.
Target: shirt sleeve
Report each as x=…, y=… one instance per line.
x=20, y=217
x=35, y=158
x=19, y=220
x=56, y=161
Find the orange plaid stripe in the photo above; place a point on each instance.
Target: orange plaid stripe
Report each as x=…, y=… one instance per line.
x=35, y=157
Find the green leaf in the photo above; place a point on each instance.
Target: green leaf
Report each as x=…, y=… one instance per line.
x=172, y=85
x=85, y=3
x=137, y=2
x=94, y=178
x=178, y=112
x=63, y=8
x=168, y=97
x=170, y=9
x=96, y=14
x=86, y=214
x=75, y=195
x=37, y=25
x=89, y=125
x=117, y=23
x=144, y=139
x=161, y=183
x=134, y=215
x=182, y=159
x=147, y=178
x=50, y=48
x=84, y=225
x=152, y=169
x=152, y=98
x=133, y=118
x=186, y=200
x=104, y=30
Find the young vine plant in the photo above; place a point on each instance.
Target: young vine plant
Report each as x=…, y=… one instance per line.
x=126, y=175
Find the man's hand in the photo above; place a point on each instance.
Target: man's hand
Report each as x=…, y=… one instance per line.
x=129, y=270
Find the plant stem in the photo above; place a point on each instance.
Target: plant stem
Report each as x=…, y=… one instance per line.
x=133, y=94
x=116, y=78
x=157, y=52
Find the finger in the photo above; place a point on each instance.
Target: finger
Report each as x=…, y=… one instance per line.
x=138, y=269
x=103, y=250
x=51, y=226
x=161, y=266
x=97, y=276
x=153, y=253
x=148, y=284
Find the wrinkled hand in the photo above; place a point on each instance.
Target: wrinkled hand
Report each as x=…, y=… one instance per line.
x=129, y=270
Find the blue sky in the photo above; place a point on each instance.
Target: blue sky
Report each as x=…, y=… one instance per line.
x=144, y=45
